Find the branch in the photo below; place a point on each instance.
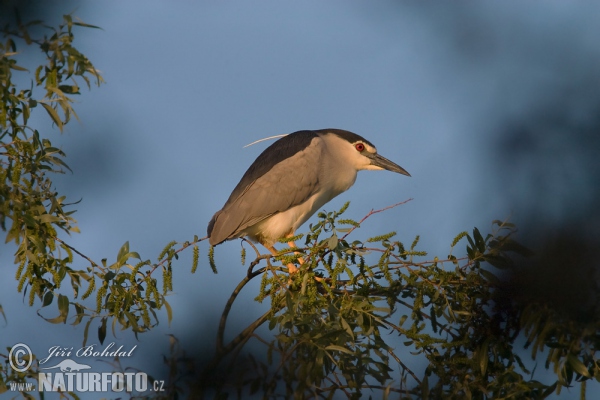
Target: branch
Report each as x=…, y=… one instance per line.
x=391, y=353
x=240, y=339
x=374, y=212
x=225, y=314
x=423, y=314
x=170, y=256
x=78, y=252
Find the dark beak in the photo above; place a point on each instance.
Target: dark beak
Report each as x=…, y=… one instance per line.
x=384, y=163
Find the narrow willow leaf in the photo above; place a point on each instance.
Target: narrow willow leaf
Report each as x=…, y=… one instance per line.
x=86, y=331
x=332, y=242
x=123, y=250
x=63, y=306
x=54, y=115
x=48, y=297
x=334, y=347
x=578, y=366
x=102, y=331
x=169, y=311
x=483, y=356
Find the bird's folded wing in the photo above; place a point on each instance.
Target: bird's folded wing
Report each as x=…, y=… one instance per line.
x=287, y=184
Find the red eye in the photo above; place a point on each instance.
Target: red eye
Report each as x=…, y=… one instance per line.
x=359, y=146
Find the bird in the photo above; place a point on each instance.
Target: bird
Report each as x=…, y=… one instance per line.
x=289, y=181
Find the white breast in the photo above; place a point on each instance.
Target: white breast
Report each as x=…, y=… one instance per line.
x=278, y=225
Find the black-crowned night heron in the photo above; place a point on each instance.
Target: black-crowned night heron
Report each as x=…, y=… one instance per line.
x=290, y=181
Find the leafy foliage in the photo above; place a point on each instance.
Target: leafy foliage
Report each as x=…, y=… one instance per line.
x=33, y=214
x=358, y=315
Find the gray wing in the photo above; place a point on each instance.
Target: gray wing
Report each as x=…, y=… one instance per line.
x=288, y=183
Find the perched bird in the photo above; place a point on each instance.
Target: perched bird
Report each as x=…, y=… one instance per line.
x=290, y=181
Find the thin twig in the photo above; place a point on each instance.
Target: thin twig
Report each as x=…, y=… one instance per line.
x=7, y=144
x=246, y=333
x=225, y=314
x=155, y=266
x=399, y=361
x=77, y=251
x=240, y=339
x=244, y=240
x=374, y=212
x=185, y=246
x=423, y=314
x=339, y=385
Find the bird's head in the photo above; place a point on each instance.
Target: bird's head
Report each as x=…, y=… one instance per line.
x=358, y=151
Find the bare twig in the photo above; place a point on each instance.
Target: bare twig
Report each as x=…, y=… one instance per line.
x=374, y=212
x=244, y=240
x=239, y=340
x=225, y=314
x=399, y=361
x=339, y=385
x=77, y=251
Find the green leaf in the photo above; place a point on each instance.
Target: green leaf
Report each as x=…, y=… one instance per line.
x=86, y=25
x=80, y=314
x=54, y=115
x=101, y=331
x=483, y=356
x=347, y=328
x=433, y=317
x=515, y=247
x=498, y=261
x=402, y=320
x=333, y=347
x=63, y=306
x=578, y=366
x=69, y=89
x=48, y=297
x=169, y=311
x=479, y=242
x=332, y=242
x=17, y=68
x=489, y=276
x=132, y=321
x=304, y=283
x=272, y=323
x=123, y=250
x=56, y=320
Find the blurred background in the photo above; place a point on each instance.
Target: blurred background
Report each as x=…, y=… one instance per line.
x=494, y=109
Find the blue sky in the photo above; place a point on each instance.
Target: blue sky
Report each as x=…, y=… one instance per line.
x=188, y=84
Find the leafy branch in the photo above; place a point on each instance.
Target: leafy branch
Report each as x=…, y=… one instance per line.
x=373, y=309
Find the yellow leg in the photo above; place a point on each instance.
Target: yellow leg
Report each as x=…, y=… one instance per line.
x=291, y=267
x=300, y=259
